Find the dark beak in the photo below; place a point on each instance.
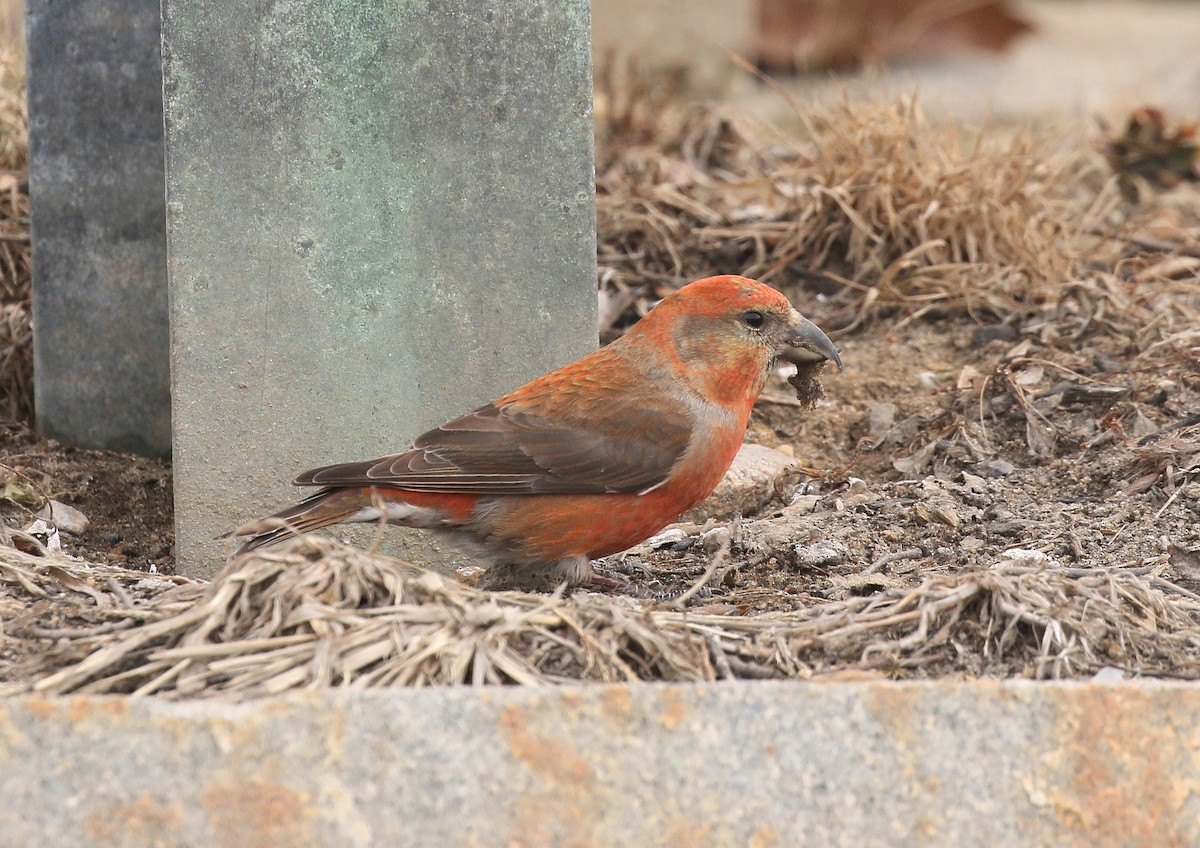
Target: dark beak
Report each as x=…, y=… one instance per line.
x=809, y=346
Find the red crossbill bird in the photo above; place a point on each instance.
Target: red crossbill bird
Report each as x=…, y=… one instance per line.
x=589, y=459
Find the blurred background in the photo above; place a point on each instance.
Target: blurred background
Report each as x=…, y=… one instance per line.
x=970, y=58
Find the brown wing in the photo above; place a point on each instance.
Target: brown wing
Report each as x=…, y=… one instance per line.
x=513, y=450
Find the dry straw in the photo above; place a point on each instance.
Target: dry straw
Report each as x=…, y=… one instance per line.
x=868, y=197
x=314, y=613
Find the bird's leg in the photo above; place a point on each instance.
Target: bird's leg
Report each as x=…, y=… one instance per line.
x=581, y=571
x=604, y=577
x=626, y=565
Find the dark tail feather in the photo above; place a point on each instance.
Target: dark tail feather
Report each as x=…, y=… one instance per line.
x=326, y=507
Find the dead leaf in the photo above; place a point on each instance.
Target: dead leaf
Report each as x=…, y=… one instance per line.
x=21, y=493
x=1020, y=349
x=968, y=377
x=915, y=464
x=1029, y=376
x=880, y=418
x=77, y=584
x=1038, y=436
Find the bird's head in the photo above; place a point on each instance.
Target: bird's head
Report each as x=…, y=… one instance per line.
x=728, y=331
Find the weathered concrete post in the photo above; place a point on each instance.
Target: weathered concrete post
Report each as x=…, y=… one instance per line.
x=100, y=349
x=380, y=214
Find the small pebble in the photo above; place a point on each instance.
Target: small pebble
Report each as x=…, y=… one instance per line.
x=973, y=482
x=804, y=504
x=713, y=539
x=825, y=553
x=985, y=335
x=670, y=536
x=927, y=380
x=993, y=468
x=856, y=484
x=1010, y=527
x=66, y=518
x=1029, y=555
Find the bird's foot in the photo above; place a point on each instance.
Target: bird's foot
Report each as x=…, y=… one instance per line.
x=609, y=579
x=623, y=565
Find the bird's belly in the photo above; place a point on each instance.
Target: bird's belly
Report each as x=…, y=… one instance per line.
x=551, y=527
x=545, y=528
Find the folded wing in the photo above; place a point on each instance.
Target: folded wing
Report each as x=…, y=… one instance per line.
x=512, y=450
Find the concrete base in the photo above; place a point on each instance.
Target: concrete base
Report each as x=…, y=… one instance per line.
x=741, y=764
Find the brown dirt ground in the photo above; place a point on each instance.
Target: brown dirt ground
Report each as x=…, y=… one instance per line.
x=126, y=499
x=934, y=482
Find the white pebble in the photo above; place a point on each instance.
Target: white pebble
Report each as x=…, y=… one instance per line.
x=803, y=504
x=828, y=552
x=667, y=537
x=1029, y=555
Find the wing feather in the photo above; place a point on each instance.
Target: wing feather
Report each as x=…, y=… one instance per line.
x=513, y=449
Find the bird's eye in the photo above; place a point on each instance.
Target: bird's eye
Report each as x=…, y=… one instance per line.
x=753, y=318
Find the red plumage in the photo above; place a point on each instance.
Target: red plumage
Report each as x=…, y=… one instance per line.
x=589, y=459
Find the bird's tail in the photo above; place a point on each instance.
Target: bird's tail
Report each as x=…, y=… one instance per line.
x=326, y=507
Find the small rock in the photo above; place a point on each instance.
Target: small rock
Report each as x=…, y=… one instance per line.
x=712, y=540
x=856, y=484
x=993, y=468
x=818, y=554
x=747, y=487
x=927, y=380
x=982, y=336
x=1029, y=555
x=66, y=518
x=1109, y=674
x=809, y=487
x=803, y=504
x=974, y=483
x=670, y=536
x=1010, y=526
x=469, y=574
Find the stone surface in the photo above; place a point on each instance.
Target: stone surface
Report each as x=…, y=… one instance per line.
x=747, y=486
x=100, y=349
x=739, y=764
x=65, y=517
x=380, y=215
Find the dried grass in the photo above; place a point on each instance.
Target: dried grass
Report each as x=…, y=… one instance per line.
x=16, y=350
x=870, y=201
x=315, y=613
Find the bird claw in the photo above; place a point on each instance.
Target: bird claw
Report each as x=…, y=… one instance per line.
x=625, y=566
x=607, y=578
